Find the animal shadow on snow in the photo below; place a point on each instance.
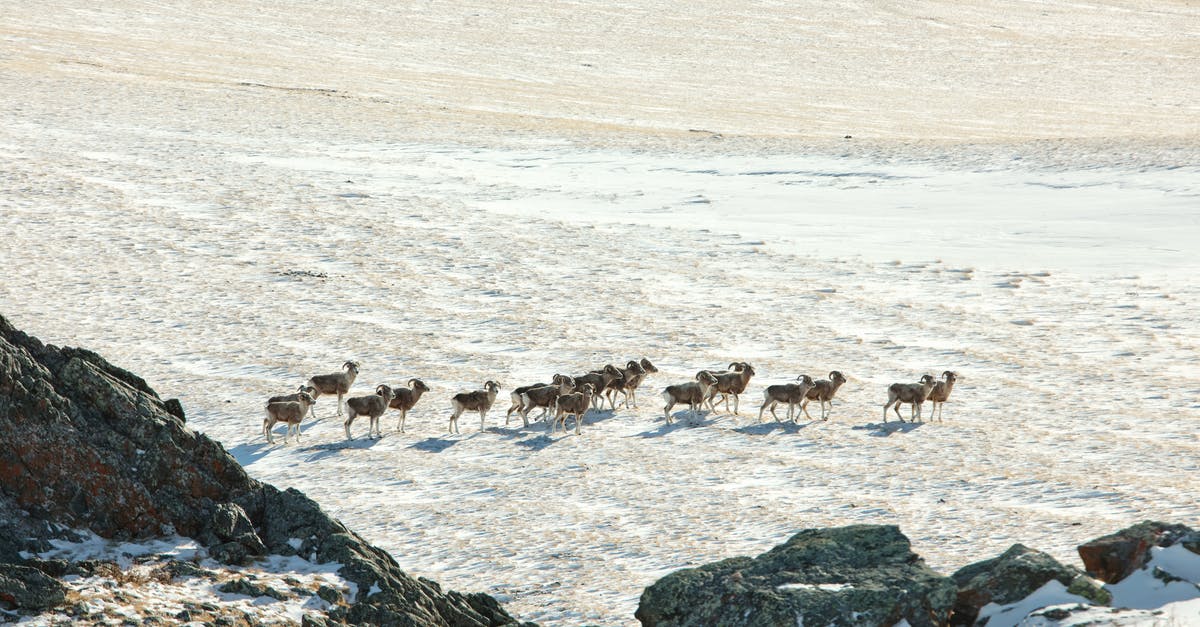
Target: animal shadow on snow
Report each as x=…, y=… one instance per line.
x=595, y=416
x=768, y=427
x=508, y=432
x=329, y=449
x=682, y=420
x=884, y=429
x=247, y=454
x=537, y=442
x=433, y=445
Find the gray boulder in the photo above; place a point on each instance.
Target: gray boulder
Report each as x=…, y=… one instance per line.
x=1012, y=576
x=859, y=575
x=99, y=450
x=25, y=588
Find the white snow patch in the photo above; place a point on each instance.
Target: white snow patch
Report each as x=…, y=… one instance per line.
x=827, y=587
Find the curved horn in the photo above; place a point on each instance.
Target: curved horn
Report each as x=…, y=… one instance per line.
x=412, y=382
x=947, y=374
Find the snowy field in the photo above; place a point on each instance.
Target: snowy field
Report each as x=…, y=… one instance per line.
x=231, y=198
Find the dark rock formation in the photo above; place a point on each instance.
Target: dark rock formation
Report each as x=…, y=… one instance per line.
x=1118, y=555
x=857, y=575
x=91, y=446
x=1012, y=576
x=28, y=588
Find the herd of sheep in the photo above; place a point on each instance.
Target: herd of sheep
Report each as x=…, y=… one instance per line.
x=572, y=396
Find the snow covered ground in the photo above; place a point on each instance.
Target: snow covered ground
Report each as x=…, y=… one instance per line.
x=142, y=586
x=228, y=199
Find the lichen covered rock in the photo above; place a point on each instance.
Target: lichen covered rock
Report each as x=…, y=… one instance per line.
x=1114, y=557
x=857, y=575
x=1014, y=575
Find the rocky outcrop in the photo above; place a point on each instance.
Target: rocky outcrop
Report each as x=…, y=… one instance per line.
x=1012, y=576
x=1116, y=556
x=29, y=588
x=857, y=575
x=91, y=446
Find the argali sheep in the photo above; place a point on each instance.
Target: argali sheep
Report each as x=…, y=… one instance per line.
x=406, y=397
x=693, y=393
x=823, y=390
x=338, y=383
x=790, y=393
x=479, y=400
x=515, y=395
x=372, y=406
x=599, y=380
x=545, y=397
x=632, y=388
x=732, y=382
x=624, y=384
x=517, y=404
x=913, y=393
x=941, y=392
x=288, y=412
x=576, y=404
x=295, y=396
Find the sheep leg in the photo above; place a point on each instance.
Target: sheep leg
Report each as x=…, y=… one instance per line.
x=804, y=408
x=349, y=421
x=579, y=422
x=400, y=424
x=894, y=404
x=339, y=411
x=735, y=404
x=825, y=416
